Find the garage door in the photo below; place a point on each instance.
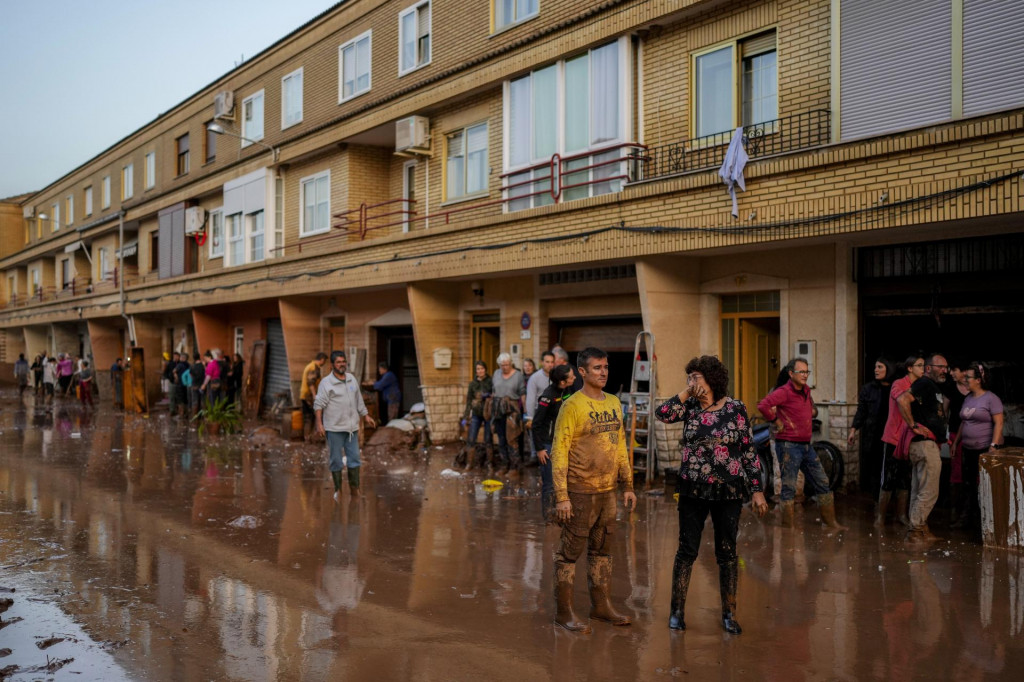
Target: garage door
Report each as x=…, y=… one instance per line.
x=278, y=380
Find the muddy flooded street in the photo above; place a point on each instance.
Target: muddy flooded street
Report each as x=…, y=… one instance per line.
x=131, y=548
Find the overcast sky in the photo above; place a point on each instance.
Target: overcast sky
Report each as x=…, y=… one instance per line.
x=76, y=76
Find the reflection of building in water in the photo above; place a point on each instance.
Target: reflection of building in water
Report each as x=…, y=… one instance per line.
x=250, y=625
x=340, y=585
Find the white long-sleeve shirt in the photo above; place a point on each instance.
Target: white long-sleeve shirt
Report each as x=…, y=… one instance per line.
x=341, y=402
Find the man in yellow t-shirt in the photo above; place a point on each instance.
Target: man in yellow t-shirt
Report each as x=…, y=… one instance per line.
x=310, y=383
x=588, y=459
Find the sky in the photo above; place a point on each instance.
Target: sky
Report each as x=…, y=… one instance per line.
x=76, y=76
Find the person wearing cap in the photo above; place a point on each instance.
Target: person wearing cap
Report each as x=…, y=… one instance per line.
x=338, y=407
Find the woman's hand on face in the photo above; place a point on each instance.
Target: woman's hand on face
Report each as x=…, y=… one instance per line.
x=695, y=391
x=759, y=504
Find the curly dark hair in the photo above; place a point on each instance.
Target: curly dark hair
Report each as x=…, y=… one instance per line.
x=715, y=374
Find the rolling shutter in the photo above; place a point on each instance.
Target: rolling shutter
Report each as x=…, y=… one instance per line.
x=164, y=246
x=277, y=378
x=993, y=45
x=895, y=65
x=177, y=242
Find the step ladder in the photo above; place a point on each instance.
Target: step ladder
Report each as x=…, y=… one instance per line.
x=643, y=456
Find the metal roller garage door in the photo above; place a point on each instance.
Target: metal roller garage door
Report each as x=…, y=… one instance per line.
x=278, y=380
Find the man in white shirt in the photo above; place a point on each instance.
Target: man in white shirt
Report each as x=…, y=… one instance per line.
x=338, y=406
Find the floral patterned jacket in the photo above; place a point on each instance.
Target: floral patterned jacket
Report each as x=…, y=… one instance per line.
x=718, y=457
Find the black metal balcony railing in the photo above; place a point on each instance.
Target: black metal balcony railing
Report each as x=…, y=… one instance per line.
x=799, y=131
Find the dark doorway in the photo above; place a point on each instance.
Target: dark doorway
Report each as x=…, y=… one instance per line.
x=395, y=346
x=614, y=335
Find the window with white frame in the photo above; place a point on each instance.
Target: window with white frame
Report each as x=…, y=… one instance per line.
x=104, y=263
x=239, y=339
x=466, y=162
x=577, y=108
x=254, y=226
x=127, y=181
x=315, y=198
x=150, y=169
x=88, y=200
x=216, y=234
x=55, y=218
x=744, y=69
x=252, y=118
x=65, y=273
x=69, y=209
x=291, y=99
x=236, y=241
x=106, y=191
x=508, y=12
x=278, y=249
x=36, y=285
x=414, y=37
x=354, y=64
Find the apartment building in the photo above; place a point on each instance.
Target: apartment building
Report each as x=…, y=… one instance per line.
x=439, y=181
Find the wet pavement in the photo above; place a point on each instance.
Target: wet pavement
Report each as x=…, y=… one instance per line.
x=140, y=551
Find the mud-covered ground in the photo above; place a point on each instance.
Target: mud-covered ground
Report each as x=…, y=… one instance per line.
x=130, y=548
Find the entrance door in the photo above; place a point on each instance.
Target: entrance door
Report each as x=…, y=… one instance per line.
x=486, y=332
x=396, y=347
x=759, y=358
x=335, y=335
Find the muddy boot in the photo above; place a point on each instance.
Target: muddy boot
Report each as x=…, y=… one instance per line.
x=827, y=506
x=883, y=503
x=336, y=477
x=728, y=578
x=565, y=573
x=489, y=459
x=903, y=506
x=786, y=510
x=353, y=480
x=680, y=585
x=599, y=577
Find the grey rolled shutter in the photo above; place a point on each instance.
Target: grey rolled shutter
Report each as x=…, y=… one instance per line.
x=164, y=246
x=895, y=65
x=277, y=378
x=993, y=56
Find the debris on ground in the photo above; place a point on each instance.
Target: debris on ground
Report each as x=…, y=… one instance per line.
x=245, y=522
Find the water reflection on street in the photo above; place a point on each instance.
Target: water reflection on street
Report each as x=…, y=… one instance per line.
x=188, y=558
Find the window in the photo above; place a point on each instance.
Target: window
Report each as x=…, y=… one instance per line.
x=466, y=162
x=211, y=142
x=252, y=118
x=55, y=218
x=316, y=204
x=236, y=253
x=181, y=145
x=414, y=37
x=216, y=234
x=278, y=217
x=154, y=251
x=255, y=229
x=65, y=273
x=744, y=69
x=104, y=263
x=508, y=12
x=150, y=169
x=36, y=286
x=106, y=191
x=88, y=200
x=69, y=209
x=291, y=99
x=354, y=67
x=568, y=108
x=127, y=181
x=239, y=339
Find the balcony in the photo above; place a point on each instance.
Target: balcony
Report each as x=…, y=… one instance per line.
x=778, y=136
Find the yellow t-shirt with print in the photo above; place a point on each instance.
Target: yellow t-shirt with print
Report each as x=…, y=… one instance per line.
x=589, y=450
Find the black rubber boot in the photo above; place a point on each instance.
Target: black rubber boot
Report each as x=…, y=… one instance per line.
x=353, y=480
x=336, y=477
x=728, y=578
x=565, y=574
x=681, y=570
x=599, y=577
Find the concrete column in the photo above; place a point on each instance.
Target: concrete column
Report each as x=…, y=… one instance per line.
x=213, y=329
x=300, y=320
x=37, y=339
x=105, y=338
x=435, y=314
x=65, y=338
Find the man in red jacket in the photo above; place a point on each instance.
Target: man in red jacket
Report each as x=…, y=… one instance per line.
x=791, y=409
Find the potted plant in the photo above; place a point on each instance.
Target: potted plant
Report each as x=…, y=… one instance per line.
x=220, y=415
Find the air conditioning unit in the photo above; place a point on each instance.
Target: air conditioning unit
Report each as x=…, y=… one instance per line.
x=224, y=105
x=28, y=211
x=412, y=134
x=195, y=220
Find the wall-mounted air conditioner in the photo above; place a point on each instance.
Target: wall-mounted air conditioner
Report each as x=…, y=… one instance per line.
x=195, y=220
x=224, y=105
x=412, y=134
x=28, y=211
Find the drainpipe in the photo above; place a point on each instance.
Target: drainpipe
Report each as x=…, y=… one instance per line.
x=120, y=279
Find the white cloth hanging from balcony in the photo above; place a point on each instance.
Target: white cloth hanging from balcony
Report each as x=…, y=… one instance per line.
x=731, y=171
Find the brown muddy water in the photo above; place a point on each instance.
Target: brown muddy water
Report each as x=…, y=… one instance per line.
x=130, y=548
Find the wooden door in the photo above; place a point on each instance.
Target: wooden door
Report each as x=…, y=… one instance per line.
x=255, y=371
x=759, y=358
x=335, y=340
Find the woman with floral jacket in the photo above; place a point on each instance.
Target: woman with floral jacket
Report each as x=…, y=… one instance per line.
x=719, y=471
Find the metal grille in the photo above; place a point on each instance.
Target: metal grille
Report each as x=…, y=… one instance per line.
x=588, y=275
x=955, y=256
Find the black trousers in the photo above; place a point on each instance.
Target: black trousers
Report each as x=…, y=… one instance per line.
x=725, y=516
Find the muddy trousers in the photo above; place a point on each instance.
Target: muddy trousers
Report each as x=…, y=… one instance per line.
x=924, y=488
x=725, y=517
x=592, y=515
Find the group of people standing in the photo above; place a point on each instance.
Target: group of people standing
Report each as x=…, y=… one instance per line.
x=904, y=420
x=211, y=377
x=53, y=376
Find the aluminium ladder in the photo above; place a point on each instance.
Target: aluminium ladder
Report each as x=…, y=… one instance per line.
x=641, y=408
